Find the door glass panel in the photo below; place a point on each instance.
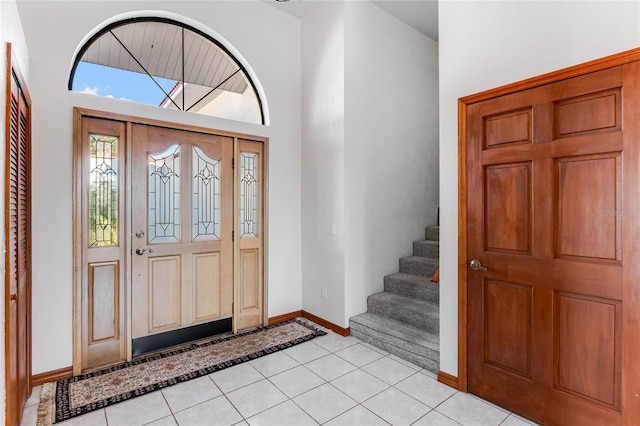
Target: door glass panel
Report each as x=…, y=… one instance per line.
x=206, y=196
x=164, y=196
x=248, y=194
x=103, y=191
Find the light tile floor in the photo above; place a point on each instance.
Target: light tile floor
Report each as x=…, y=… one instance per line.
x=330, y=380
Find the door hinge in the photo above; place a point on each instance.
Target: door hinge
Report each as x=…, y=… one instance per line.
x=233, y=162
x=233, y=236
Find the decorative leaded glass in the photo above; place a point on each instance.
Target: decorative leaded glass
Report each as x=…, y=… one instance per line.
x=103, y=191
x=164, y=196
x=206, y=196
x=248, y=194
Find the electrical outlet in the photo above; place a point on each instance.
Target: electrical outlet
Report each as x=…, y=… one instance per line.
x=324, y=293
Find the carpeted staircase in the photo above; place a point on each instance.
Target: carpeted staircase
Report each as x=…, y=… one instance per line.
x=404, y=318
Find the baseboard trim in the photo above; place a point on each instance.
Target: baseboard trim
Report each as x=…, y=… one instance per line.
x=331, y=326
x=284, y=317
x=304, y=314
x=448, y=379
x=51, y=376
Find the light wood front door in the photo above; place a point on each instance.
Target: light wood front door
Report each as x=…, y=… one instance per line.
x=552, y=215
x=170, y=233
x=182, y=223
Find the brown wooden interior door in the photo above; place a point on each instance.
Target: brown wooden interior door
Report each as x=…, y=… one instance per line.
x=182, y=221
x=546, y=207
x=18, y=244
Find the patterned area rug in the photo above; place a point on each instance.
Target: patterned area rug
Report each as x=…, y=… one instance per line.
x=82, y=394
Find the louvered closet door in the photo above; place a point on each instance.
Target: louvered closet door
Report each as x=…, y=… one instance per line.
x=17, y=260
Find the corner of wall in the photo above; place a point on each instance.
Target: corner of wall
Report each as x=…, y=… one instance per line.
x=323, y=120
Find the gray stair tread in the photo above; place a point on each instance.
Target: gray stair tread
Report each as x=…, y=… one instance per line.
x=398, y=330
x=424, y=260
x=417, y=313
x=429, y=242
x=414, y=279
x=415, y=265
x=407, y=303
x=414, y=345
x=413, y=287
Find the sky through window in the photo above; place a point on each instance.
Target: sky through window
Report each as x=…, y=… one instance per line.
x=120, y=84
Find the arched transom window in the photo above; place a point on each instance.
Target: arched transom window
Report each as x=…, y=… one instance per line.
x=169, y=64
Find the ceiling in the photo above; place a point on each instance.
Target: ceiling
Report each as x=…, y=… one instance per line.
x=156, y=48
x=419, y=14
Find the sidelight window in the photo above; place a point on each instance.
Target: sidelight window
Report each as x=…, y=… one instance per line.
x=249, y=193
x=103, y=191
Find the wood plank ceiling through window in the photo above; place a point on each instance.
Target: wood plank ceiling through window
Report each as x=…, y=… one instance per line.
x=157, y=46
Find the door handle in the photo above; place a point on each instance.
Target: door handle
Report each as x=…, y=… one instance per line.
x=476, y=265
x=140, y=251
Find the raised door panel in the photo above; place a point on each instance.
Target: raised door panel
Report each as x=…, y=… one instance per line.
x=250, y=299
x=508, y=207
x=598, y=112
x=507, y=326
x=587, y=360
x=164, y=293
x=207, y=286
x=588, y=199
x=104, y=343
x=104, y=293
x=508, y=128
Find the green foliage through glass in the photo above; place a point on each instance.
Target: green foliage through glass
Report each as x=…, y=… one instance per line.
x=103, y=191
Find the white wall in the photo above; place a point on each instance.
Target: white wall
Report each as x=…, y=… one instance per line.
x=323, y=161
x=370, y=153
x=234, y=106
x=10, y=32
x=268, y=39
x=391, y=146
x=488, y=44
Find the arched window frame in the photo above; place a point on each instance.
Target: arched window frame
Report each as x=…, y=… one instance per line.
x=120, y=20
